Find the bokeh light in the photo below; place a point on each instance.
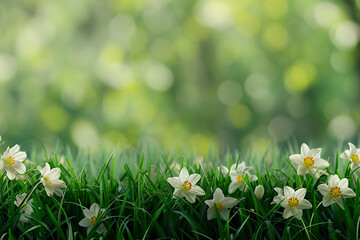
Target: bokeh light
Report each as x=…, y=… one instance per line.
x=181, y=74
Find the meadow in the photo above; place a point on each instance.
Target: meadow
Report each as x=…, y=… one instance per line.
x=131, y=196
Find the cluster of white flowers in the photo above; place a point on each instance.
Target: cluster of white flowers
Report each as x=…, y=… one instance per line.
x=293, y=202
x=11, y=161
x=309, y=161
x=185, y=186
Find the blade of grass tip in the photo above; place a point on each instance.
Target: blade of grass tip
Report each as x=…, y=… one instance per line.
x=167, y=165
x=349, y=220
x=336, y=161
x=230, y=162
x=288, y=160
x=238, y=160
x=357, y=228
x=241, y=227
x=140, y=166
x=104, y=167
x=28, y=231
x=56, y=223
x=153, y=220
x=219, y=223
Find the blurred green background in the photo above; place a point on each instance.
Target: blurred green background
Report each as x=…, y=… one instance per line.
x=180, y=74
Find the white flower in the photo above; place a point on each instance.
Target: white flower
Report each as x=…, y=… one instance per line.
x=292, y=201
x=237, y=175
x=259, y=192
x=27, y=210
x=224, y=170
x=50, y=180
x=222, y=203
x=309, y=161
x=11, y=161
x=353, y=154
x=185, y=185
x=333, y=192
x=91, y=218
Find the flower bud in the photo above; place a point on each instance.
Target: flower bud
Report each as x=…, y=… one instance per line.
x=259, y=192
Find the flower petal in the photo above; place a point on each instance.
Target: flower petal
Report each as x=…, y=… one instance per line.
x=300, y=193
x=20, y=156
x=324, y=189
x=197, y=191
x=343, y=183
x=19, y=167
x=174, y=182
x=304, y=150
x=184, y=174
x=194, y=178
x=233, y=186
x=14, y=150
x=210, y=203
x=85, y=222
x=352, y=148
x=328, y=200
x=296, y=158
x=348, y=193
x=95, y=209
x=224, y=214
x=302, y=170
x=88, y=213
x=339, y=201
x=333, y=181
x=287, y=213
x=101, y=229
x=345, y=155
x=211, y=213
x=288, y=191
x=190, y=197
x=229, y=202
x=218, y=195
x=315, y=153
x=304, y=204
x=320, y=163
x=11, y=174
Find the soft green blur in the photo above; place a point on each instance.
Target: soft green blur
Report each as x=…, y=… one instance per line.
x=181, y=74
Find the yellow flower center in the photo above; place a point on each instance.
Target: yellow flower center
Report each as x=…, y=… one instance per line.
x=47, y=180
x=219, y=206
x=186, y=186
x=308, y=161
x=293, y=202
x=354, y=158
x=335, y=192
x=239, y=179
x=93, y=220
x=10, y=161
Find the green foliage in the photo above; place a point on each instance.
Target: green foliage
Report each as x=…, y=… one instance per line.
x=139, y=203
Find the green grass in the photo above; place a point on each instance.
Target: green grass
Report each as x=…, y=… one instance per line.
x=132, y=187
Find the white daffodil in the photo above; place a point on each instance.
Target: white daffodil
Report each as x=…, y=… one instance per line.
x=259, y=192
x=222, y=203
x=11, y=162
x=90, y=219
x=50, y=180
x=309, y=161
x=185, y=185
x=237, y=175
x=333, y=192
x=353, y=154
x=292, y=201
x=27, y=210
